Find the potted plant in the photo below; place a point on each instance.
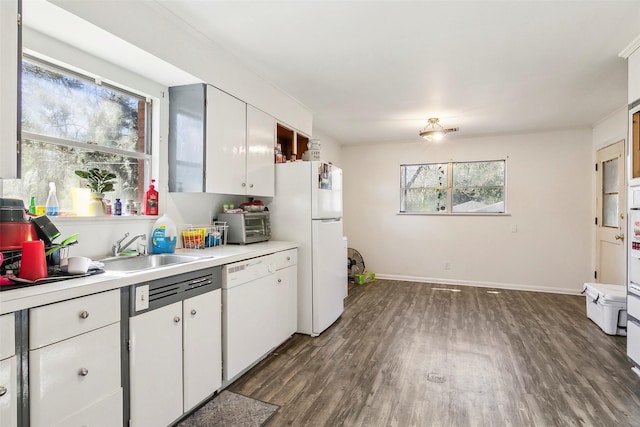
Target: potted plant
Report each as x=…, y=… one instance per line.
x=99, y=182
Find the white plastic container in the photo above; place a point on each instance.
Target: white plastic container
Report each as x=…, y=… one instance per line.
x=607, y=307
x=164, y=236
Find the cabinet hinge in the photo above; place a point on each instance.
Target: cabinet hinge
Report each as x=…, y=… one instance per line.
x=19, y=19
x=596, y=220
x=596, y=167
x=128, y=345
x=595, y=274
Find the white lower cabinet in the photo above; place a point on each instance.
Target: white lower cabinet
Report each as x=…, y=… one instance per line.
x=202, y=340
x=8, y=376
x=175, y=358
x=74, y=371
x=286, y=303
x=155, y=360
x=8, y=392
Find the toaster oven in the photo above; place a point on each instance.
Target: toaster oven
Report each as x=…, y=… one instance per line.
x=247, y=227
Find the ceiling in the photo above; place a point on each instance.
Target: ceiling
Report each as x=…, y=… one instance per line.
x=375, y=71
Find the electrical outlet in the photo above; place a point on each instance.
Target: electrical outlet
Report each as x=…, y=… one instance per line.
x=447, y=265
x=514, y=228
x=142, y=297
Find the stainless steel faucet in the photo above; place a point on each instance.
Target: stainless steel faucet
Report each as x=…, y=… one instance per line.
x=118, y=247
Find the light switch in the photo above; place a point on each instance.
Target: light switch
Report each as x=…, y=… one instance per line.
x=142, y=297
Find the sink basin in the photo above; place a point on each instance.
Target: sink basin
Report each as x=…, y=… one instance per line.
x=144, y=262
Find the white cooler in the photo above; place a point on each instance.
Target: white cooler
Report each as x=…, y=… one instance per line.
x=607, y=307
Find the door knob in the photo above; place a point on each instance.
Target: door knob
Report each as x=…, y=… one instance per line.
x=619, y=236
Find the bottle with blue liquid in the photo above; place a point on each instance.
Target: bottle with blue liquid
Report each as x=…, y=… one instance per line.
x=52, y=201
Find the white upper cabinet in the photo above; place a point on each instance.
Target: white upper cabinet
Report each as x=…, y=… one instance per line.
x=634, y=76
x=9, y=52
x=219, y=144
x=226, y=143
x=261, y=129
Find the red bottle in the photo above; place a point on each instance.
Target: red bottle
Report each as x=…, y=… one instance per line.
x=151, y=200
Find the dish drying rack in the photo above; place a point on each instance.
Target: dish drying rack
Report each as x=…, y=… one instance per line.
x=204, y=236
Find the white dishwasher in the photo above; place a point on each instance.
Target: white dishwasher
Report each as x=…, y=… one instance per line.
x=248, y=323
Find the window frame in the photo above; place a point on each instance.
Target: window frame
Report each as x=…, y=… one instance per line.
x=449, y=188
x=143, y=154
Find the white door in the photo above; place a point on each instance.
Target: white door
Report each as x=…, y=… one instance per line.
x=9, y=393
x=611, y=219
x=156, y=366
x=226, y=130
x=261, y=137
x=202, y=365
x=329, y=273
x=326, y=191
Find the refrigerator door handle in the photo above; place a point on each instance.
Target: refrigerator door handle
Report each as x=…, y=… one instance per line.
x=331, y=219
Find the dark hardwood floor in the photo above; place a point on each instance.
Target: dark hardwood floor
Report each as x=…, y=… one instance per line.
x=416, y=354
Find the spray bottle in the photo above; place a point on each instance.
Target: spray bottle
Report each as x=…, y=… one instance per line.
x=52, y=201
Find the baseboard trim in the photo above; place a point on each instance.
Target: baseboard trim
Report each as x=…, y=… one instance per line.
x=494, y=285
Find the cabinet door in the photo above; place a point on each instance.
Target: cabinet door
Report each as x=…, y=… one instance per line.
x=187, y=138
x=9, y=49
x=155, y=362
x=106, y=412
x=8, y=393
x=202, y=340
x=286, y=303
x=261, y=135
x=226, y=143
x=73, y=374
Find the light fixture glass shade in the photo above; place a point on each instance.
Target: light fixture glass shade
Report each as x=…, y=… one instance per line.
x=434, y=130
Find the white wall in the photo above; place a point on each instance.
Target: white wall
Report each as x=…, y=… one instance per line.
x=331, y=151
x=151, y=27
x=548, y=200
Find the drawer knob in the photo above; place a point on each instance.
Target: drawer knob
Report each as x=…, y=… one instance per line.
x=3, y=391
x=84, y=314
x=176, y=319
x=288, y=258
x=279, y=280
x=193, y=312
x=83, y=372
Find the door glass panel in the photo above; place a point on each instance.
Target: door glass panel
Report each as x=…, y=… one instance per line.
x=610, y=193
x=610, y=176
x=610, y=210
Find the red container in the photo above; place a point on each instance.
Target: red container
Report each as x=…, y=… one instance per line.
x=33, y=265
x=12, y=234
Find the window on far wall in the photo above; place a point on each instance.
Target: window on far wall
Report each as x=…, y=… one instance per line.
x=71, y=121
x=454, y=187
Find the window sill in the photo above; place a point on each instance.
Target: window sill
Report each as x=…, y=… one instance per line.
x=104, y=218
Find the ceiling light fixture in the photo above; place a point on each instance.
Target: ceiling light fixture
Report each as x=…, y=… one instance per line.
x=434, y=130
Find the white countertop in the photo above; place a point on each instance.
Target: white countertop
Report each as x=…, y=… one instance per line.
x=36, y=295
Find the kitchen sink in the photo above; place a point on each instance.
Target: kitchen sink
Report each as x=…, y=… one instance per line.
x=144, y=262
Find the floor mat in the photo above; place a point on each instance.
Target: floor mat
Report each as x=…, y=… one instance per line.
x=230, y=409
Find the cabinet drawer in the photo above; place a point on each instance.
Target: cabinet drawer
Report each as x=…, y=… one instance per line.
x=104, y=413
x=633, y=306
x=8, y=393
x=633, y=341
x=285, y=259
x=73, y=374
x=7, y=336
x=55, y=322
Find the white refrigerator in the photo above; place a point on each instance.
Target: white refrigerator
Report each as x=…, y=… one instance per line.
x=307, y=208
